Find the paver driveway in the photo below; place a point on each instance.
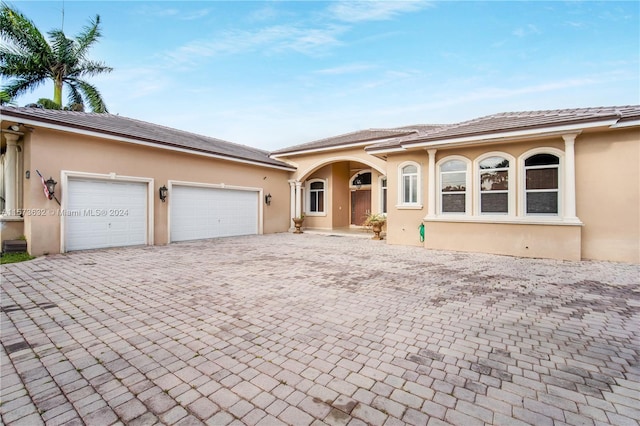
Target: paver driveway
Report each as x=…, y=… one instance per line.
x=308, y=329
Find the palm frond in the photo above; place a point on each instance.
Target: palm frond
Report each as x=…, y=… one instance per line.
x=90, y=68
x=74, y=96
x=20, y=86
x=92, y=96
x=19, y=31
x=16, y=65
x=89, y=35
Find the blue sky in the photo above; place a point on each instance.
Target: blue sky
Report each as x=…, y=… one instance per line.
x=275, y=74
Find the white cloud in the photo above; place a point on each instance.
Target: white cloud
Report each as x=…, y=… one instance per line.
x=358, y=11
x=525, y=31
x=346, y=69
x=171, y=12
x=279, y=38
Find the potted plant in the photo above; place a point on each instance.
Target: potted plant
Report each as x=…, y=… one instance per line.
x=297, y=221
x=376, y=221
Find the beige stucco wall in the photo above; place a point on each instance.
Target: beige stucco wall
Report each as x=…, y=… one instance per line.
x=52, y=152
x=11, y=229
x=341, y=200
x=608, y=194
x=543, y=241
x=403, y=223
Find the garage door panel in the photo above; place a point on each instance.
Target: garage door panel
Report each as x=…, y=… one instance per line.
x=199, y=213
x=106, y=214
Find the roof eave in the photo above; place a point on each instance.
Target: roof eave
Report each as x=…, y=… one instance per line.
x=329, y=148
x=83, y=130
x=511, y=136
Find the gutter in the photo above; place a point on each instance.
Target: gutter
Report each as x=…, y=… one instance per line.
x=82, y=130
x=498, y=137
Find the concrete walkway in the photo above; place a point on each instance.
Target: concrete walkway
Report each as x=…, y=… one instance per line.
x=311, y=329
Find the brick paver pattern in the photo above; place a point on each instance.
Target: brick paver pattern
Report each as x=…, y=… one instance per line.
x=310, y=329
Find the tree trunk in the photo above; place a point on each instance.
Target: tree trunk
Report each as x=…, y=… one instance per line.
x=57, y=92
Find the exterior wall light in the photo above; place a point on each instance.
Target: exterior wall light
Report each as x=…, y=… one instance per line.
x=358, y=182
x=267, y=199
x=163, y=191
x=51, y=187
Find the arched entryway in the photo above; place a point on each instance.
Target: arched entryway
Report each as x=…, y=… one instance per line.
x=337, y=194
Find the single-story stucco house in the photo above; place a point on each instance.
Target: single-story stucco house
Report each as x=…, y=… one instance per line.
x=561, y=184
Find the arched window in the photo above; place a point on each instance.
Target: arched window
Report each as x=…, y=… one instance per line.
x=542, y=184
x=453, y=186
x=494, y=185
x=316, y=196
x=361, y=179
x=409, y=184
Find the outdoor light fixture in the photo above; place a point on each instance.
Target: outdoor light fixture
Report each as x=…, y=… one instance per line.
x=51, y=187
x=267, y=199
x=14, y=127
x=358, y=182
x=163, y=191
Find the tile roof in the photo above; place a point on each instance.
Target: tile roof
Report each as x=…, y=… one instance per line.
x=118, y=126
x=513, y=121
x=357, y=137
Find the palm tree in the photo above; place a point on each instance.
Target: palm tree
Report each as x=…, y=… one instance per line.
x=29, y=59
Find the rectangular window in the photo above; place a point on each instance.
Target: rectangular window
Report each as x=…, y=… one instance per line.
x=316, y=197
x=542, y=202
x=494, y=185
x=383, y=183
x=494, y=192
x=409, y=181
x=542, y=191
x=497, y=202
x=453, y=187
x=453, y=203
x=410, y=189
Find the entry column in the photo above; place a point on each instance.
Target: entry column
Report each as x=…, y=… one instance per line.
x=10, y=174
x=292, y=201
x=298, y=198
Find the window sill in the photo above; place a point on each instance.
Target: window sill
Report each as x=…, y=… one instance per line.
x=409, y=206
x=512, y=220
x=315, y=214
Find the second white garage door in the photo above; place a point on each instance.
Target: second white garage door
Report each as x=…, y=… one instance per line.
x=199, y=213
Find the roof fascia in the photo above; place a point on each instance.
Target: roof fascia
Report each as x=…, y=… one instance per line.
x=329, y=148
x=375, y=151
x=513, y=135
x=630, y=123
x=70, y=129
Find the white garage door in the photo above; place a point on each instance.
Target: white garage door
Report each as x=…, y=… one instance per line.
x=105, y=213
x=198, y=213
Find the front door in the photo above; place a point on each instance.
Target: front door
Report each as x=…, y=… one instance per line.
x=360, y=206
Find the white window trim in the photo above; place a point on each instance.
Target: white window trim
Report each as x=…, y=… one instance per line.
x=511, y=208
x=469, y=194
x=522, y=184
x=307, y=197
x=380, y=194
x=401, y=204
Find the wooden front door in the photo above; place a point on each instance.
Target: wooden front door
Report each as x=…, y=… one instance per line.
x=360, y=206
